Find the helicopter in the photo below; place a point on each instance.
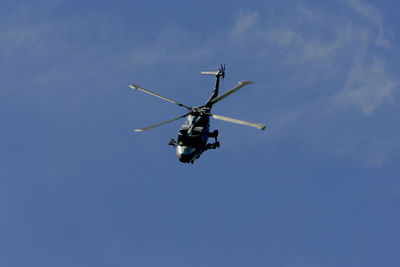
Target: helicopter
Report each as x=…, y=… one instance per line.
x=195, y=132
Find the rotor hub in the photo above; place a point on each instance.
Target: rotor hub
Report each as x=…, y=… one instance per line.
x=195, y=112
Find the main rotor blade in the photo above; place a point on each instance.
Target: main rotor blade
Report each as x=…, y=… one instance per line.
x=259, y=126
x=134, y=86
x=231, y=91
x=161, y=123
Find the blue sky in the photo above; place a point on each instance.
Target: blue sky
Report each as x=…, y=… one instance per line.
x=319, y=187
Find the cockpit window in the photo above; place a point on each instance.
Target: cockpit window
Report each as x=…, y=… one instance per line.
x=197, y=130
x=183, y=132
x=190, y=140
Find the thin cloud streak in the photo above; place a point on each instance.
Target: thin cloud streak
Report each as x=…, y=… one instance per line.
x=366, y=84
x=348, y=54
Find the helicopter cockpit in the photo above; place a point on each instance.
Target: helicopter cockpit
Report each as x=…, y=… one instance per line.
x=194, y=139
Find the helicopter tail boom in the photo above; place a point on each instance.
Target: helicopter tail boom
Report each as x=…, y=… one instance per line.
x=229, y=92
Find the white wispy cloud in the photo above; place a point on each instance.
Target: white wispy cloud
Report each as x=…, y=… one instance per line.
x=371, y=14
x=244, y=23
x=368, y=86
x=343, y=56
x=339, y=42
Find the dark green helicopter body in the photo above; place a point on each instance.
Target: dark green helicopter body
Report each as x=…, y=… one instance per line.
x=195, y=132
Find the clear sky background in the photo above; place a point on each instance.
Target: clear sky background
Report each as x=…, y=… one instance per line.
x=319, y=187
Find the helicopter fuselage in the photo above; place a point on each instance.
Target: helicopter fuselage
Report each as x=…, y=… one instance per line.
x=194, y=133
x=192, y=138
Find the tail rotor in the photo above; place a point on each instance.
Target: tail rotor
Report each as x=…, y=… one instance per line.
x=221, y=70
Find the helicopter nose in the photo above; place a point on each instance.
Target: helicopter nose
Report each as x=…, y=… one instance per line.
x=185, y=154
x=184, y=158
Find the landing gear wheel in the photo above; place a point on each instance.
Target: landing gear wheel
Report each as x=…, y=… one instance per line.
x=217, y=144
x=215, y=133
